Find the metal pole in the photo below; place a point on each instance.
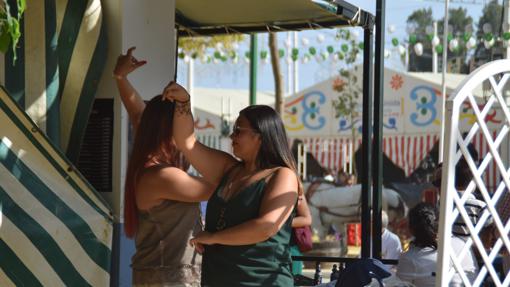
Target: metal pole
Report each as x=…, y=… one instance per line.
x=366, y=162
x=253, y=69
x=434, y=53
x=296, y=67
x=506, y=24
x=378, y=128
x=443, y=84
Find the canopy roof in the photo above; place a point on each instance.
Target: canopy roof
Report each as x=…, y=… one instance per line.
x=205, y=17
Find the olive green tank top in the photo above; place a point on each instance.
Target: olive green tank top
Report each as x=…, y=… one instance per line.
x=265, y=263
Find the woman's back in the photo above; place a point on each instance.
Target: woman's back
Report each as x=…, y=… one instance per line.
x=162, y=250
x=265, y=263
x=418, y=266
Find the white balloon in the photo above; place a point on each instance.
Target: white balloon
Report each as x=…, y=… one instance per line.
x=203, y=59
x=488, y=44
x=219, y=46
x=487, y=28
x=391, y=28
x=235, y=60
x=454, y=43
x=401, y=49
x=235, y=46
x=355, y=33
x=215, y=61
x=305, y=41
x=318, y=58
x=435, y=41
x=471, y=43
x=289, y=60
x=247, y=60
x=288, y=43
x=186, y=59
x=305, y=59
x=335, y=57
x=418, y=49
x=320, y=38
x=387, y=53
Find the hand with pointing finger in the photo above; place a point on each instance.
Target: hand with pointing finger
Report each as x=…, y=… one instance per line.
x=127, y=64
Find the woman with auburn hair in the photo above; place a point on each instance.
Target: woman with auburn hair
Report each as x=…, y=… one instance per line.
x=161, y=209
x=249, y=216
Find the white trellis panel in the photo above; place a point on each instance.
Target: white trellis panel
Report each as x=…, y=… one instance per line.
x=494, y=77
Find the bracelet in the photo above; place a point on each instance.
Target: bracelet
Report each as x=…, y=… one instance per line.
x=118, y=77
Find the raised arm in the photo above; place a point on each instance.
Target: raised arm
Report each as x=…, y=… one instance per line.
x=132, y=101
x=211, y=163
x=276, y=207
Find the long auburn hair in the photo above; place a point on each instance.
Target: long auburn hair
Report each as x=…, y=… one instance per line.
x=274, y=149
x=152, y=146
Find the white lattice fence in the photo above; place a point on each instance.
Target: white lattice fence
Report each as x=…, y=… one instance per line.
x=456, y=252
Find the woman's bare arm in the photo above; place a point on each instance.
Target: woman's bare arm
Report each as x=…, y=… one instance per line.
x=132, y=101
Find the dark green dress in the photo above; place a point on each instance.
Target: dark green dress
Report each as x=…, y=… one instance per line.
x=266, y=263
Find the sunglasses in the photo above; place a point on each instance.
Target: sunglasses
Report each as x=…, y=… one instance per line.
x=237, y=130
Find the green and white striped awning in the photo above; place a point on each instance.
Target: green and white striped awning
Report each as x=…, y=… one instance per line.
x=55, y=230
x=61, y=56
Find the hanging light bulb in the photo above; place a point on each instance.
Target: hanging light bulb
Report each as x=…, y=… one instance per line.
x=418, y=49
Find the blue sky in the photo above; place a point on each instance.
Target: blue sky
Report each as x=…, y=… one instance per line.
x=236, y=76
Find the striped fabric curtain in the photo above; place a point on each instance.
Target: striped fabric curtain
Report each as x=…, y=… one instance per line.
x=55, y=230
x=61, y=56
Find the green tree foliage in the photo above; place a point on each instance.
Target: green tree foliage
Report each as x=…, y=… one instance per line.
x=10, y=25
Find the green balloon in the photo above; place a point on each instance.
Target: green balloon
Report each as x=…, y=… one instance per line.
x=224, y=59
x=394, y=41
x=330, y=49
x=345, y=48
x=466, y=37
x=281, y=53
x=181, y=55
x=412, y=39
x=361, y=45
x=430, y=37
x=449, y=37
x=247, y=54
x=194, y=55
x=488, y=36
x=263, y=54
x=295, y=52
x=294, y=57
x=439, y=49
x=506, y=36
x=217, y=55
x=340, y=55
x=312, y=51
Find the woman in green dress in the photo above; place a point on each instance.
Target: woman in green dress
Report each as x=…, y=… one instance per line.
x=249, y=216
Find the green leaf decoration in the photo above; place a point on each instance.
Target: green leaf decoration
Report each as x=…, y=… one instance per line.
x=312, y=51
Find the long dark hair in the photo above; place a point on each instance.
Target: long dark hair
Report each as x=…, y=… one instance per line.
x=152, y=146
x=274, y=149
x=423, y=225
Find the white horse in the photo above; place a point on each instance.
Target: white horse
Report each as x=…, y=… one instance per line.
x=334, y=205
